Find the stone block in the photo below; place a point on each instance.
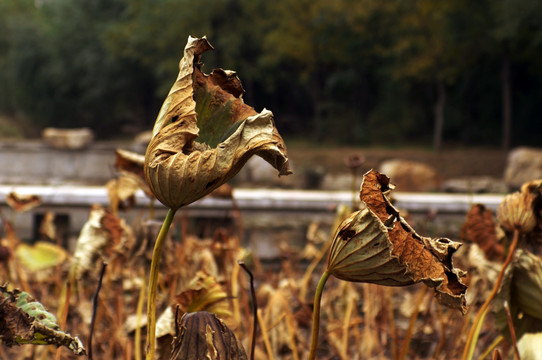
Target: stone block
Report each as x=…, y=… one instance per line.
x=410, y=176
x=71, y=139
x=523, y=164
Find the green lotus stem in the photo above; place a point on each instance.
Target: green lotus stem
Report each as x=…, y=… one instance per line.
x=153, y=285
x=316, y=314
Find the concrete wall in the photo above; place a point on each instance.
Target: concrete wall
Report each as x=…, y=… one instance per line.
x=27, y=162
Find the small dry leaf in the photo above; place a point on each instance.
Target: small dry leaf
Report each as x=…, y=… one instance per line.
x=131, y=164
x=480, y=228
x=130, y=161
x=121, y=192
x=204, y=293
x=377, y=245
x=21, y=203
x=165, y=324
x=533, y=190
x=102, y=235
x=202, y=335
x=205, y=133
x=48, y=227
x=278, y=317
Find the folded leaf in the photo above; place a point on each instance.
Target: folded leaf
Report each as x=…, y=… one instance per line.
x=204, y=293
x=202, y=335
x=377, y=245
x=205, y=133
x=23, y=320
x=522, y=289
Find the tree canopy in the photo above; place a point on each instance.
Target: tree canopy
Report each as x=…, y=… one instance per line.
x=360, y=72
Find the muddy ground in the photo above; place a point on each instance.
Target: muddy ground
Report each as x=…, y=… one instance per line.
x=449, y=163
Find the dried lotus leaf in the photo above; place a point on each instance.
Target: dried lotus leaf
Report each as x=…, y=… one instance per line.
x=205, y=133
x=377, y=245
x=202, y=335
x=516, y=212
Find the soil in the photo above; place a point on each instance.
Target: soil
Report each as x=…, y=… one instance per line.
x=449, y=163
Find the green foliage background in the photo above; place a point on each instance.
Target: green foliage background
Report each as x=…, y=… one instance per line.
x=358, y=72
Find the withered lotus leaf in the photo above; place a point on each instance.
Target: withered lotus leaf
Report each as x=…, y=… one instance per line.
x=480, y=228
x=101, y=236
x=202, y=335
x=205, y=133
x=516, y=212
x=23, y=320
x=204, y=293
x=377, y=245
x=21, y=203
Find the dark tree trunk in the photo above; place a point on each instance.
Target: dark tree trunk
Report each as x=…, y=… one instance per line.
x=318, y=115
x=506, y=103
x=439, y=115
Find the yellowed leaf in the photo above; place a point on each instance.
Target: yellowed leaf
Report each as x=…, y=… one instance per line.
x=41, y=255
x=204, y=293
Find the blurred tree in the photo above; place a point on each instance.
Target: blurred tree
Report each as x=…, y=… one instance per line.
x=518, y=33
x=430, y=47
x=346, y=71
x=325, y=45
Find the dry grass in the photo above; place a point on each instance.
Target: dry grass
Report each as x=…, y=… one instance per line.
x=359, y=321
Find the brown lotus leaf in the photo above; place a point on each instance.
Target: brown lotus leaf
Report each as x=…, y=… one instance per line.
x=377, y=245
x=480, y=228
x=21, y=203
x=202, y=335
x=205, y=133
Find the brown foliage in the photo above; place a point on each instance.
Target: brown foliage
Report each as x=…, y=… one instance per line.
x=480, y=228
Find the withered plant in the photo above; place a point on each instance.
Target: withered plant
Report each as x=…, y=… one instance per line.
x=376, y=245
x=202, y=137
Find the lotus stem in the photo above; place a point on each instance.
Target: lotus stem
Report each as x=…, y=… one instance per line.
x=254, y=308
x=476, y=326
x=153, y=284
x=139, y=312
x=316, y=314
x=512, y=330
